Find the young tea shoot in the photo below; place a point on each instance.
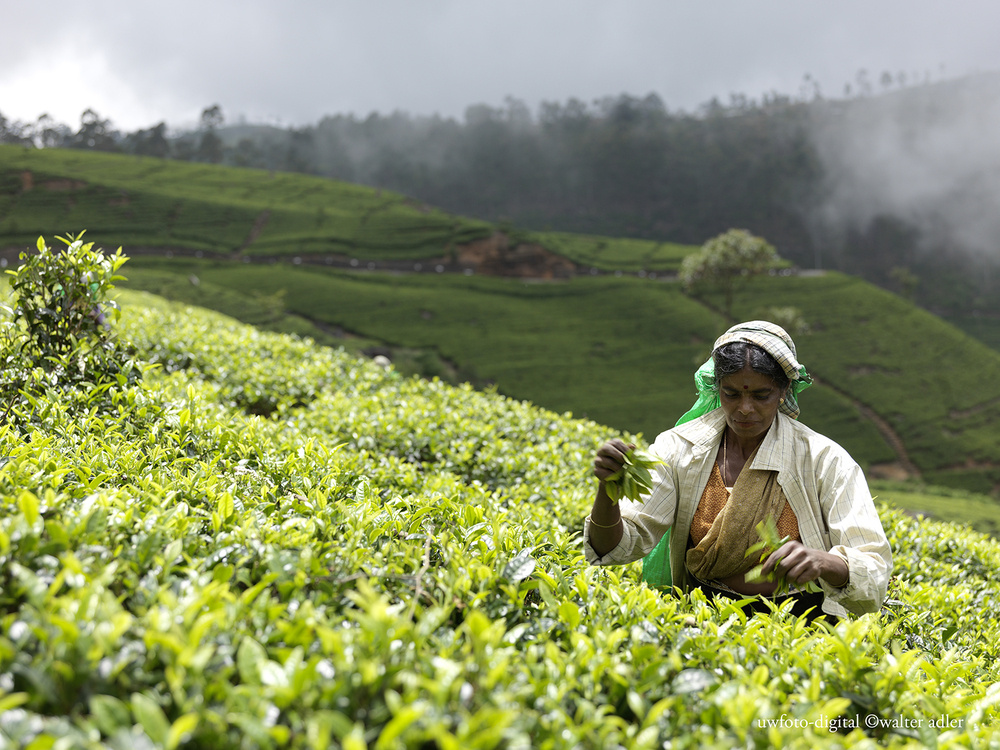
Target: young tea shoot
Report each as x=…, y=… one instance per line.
x=634, y=479
x=770, y=541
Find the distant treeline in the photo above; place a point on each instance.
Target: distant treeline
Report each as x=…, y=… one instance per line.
x=620, y=166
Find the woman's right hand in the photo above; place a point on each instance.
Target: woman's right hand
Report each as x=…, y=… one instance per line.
x=605, y=516
x=610, y=458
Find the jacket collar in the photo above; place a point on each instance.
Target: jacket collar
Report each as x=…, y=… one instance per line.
x=705, y=433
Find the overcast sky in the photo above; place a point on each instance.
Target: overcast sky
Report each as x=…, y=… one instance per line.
x=294, y=61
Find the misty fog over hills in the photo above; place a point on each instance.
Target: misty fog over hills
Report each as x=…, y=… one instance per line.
x=901, y=186
x=928, y=156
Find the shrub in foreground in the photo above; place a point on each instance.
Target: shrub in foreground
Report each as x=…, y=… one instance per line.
x=384, y=562
x=59, y=334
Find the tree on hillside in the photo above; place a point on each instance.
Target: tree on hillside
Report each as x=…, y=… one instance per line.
x=726, y=263
x=905, y=280
x=13, y=131
x=95, y=133
x=150, y=142
x=50, y=134
x=210, y=146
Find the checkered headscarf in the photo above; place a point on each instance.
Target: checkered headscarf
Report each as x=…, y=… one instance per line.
x=772, y=339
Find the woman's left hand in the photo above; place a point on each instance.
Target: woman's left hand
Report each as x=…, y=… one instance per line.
x=799, y=565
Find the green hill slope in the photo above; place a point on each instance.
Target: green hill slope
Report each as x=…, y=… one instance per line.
x=154, y=204
x=146, y=202
x=622, y=351
x=388, y=562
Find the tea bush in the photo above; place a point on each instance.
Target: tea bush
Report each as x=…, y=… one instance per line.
x=373, y=561
x=59, y=334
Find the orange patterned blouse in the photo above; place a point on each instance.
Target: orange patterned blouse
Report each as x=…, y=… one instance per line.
x=714, y=498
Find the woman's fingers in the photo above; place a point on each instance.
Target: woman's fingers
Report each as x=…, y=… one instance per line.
x=795, y=562
x=610, y=458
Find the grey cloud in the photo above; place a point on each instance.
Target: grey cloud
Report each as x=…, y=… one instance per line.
x=301, y=60
x=928, y=155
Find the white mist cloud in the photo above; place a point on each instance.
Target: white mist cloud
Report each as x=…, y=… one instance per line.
x=929, y=155
x=68, y=82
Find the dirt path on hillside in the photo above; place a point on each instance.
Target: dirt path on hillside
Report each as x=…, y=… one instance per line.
x=255, y=231
x=903, y=467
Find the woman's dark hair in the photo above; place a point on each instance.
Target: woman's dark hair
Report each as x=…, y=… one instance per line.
x=732, y=358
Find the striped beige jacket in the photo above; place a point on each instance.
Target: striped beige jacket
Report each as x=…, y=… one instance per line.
x=824, y=486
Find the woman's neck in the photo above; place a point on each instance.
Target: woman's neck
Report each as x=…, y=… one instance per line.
x=745, y=446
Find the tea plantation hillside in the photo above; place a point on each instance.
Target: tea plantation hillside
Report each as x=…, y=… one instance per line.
x=897, y=385
x=147, y=202
x=387, y=562
x=159, y=205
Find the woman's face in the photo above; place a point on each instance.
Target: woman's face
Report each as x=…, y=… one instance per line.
x=750, y=401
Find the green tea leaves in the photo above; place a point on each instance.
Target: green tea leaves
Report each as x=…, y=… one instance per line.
x=383, y=560
x=520, y=567
x=61, y=333
x=151, y=717
x=771, y=541
x=635, y=478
